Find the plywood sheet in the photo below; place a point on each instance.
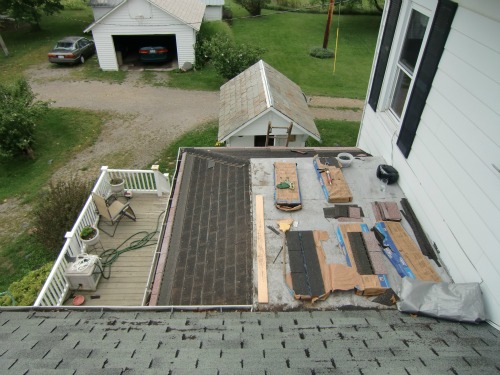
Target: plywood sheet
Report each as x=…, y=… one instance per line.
x=287, y=199
x=332, y=182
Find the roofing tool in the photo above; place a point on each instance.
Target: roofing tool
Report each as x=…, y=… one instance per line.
x=391, y=251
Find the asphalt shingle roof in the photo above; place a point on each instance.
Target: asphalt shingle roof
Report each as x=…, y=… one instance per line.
x=256, y=89
x=315, y=342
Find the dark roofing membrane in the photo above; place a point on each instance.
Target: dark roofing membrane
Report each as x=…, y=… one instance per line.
x=210, y=253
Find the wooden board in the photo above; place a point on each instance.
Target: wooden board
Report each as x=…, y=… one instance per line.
x=411, y=253
x=334, y=186
x=262, y=292
x=287, y=199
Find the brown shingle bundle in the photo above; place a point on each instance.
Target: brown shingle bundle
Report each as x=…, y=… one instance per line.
x=386, y=211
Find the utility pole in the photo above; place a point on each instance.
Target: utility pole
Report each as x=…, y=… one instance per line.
x=328, y=23
x=4, y=47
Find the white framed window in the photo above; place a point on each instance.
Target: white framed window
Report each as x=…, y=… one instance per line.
x=410, y=40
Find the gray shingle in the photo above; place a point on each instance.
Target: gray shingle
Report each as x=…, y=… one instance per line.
x=146, y=342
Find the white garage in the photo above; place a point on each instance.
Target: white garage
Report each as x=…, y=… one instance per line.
x=121, y=27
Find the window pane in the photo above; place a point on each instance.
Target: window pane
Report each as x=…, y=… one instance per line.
x=400, y=93
x=413, y=40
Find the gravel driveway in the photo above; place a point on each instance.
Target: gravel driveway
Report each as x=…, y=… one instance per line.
x=147, y=118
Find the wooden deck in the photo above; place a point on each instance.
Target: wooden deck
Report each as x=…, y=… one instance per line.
x=129, y=273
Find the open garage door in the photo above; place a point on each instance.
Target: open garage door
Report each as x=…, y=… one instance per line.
x=127, y=50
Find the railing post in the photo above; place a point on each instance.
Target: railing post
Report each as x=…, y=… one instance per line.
x=162, y=181
x=104, y=169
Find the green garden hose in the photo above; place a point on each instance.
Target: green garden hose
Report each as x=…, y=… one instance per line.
x=109, y=256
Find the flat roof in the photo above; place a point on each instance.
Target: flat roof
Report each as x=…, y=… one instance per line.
x=211, y=254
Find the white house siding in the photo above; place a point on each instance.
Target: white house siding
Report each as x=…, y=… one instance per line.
x=99, y=12
x=212, y=13
x=245, y=137
x=158, y=22
x=450, y=176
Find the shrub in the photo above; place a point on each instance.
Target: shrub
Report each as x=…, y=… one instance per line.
x=19, y=113
x=74, y=4
x=253, y=7
x=25, y=291
x=227, y=15
x=58, y=209
x=321, y=53
x=294, y=4
x=208, y=31
x=230, y=59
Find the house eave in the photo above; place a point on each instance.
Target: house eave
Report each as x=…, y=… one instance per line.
x=275, y=111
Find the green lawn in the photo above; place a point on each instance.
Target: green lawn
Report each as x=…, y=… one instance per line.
x=61, y=133
x=206, y=79
x=335, y=133
x=204, y=136
x=288, y=38
x=28, y=47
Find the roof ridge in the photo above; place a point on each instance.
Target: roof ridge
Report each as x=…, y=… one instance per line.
x=265, y=83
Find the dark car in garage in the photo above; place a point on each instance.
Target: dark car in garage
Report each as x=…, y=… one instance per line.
x=71, y=50
x=154, y=54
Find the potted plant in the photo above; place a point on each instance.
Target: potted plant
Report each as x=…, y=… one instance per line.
x=117, y=184
x=89, y=235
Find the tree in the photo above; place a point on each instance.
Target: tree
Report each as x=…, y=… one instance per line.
x=30, y=10
x=19, y=113
x=253, y=6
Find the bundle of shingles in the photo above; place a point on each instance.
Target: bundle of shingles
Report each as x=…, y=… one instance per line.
x=386, y=211
x=367, y=253
x=344, y=212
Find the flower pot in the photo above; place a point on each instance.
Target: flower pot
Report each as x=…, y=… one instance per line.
x=117, y=185
x=91, y=241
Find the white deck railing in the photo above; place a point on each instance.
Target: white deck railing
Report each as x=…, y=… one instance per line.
x=151, y=181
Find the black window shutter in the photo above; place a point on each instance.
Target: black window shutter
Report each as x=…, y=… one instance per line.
x=383, y=54
x=440, y=29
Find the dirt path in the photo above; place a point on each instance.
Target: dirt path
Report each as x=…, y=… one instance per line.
x=323, y=107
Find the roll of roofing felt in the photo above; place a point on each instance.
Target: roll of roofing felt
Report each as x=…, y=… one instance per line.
x=388, y=172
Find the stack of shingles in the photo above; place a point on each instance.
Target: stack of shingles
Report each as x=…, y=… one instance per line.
x=386, y=211
x=367, y=254
x=374, y=253
x=344, y=212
